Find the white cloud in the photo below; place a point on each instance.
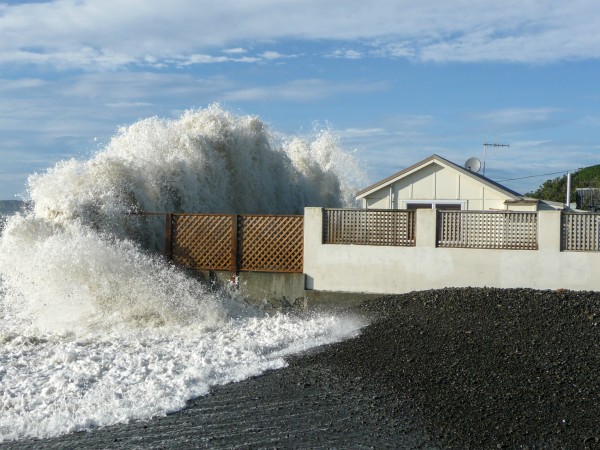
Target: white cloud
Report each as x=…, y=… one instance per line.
x=300, y=91
x=76, y=108
x=273, y=55
x=203, y=59
x=7, y=85
x=235, y=51
x=516, y=119
x=347, y=54
x=110, y=33
x=363, y=132
x=396, y=49
x=128, y=104
x=209, y=59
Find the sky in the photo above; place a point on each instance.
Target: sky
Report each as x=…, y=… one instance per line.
x=396, y=80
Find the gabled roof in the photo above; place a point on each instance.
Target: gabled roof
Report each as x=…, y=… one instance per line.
x=444, y=162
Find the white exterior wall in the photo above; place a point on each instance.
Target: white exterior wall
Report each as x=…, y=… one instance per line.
x=530, y=207
x=378, y=203
x=435, y=182
x=382, y=269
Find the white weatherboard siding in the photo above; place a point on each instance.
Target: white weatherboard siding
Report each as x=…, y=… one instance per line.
x=435, y=182
x=437, y=179
x=386, y=269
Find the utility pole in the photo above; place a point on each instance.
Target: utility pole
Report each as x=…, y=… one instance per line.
x=568, y=202
x=485, y=147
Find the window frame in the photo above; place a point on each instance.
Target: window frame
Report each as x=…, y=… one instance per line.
x=462, y=203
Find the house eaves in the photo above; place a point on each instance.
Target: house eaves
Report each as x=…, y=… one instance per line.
x=393, y=178
x=444, y=162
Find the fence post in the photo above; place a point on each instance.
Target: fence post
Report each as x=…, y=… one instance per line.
x=313, y=240
x=550, y=230
x=426, y=228
x=168, y=247
x=233, y=267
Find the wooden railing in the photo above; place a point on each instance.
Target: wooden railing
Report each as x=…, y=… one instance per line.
x=369, y=227
x=487, y=229
x=260, y=243
x=580, y=232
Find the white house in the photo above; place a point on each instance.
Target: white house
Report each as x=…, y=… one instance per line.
x=438, y=183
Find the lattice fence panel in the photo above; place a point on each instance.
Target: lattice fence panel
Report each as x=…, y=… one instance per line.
x=487, y=229
x=369, y=227
x=581, y=232
x=271, y=243
x=202, y=241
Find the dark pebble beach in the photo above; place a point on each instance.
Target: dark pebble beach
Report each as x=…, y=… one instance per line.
x=452, y=369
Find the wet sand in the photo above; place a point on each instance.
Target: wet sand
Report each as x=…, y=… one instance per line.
x=453, y=368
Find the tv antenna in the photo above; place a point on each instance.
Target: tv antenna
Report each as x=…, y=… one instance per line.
x=494, y=146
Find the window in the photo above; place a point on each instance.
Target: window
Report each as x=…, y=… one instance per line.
x=453, y=205
x=419, y=205
x=449, y=206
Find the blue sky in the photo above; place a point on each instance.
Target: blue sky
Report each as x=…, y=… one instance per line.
x=396, y=80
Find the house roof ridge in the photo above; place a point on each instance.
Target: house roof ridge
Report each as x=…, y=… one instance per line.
x=433, y=157
x=395, y=175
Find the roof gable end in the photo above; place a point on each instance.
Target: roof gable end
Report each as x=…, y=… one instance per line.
x=444, y=163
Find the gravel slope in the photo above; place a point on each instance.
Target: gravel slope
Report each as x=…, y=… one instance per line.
x=489, y=368
x=452, y=368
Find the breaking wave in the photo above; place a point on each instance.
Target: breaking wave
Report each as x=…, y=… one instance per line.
x=95, y=327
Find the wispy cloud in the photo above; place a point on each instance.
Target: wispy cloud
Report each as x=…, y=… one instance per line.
x=518, y=119
x=189, y=60
x=347, y=54
x=235, y=51
x=42, y=122
x=7, y=85
x=66, y=113
x=363, y=132
x=301, y=91
x=128, y=104
x=107, y=34
x=304, y=60
x=270, y=55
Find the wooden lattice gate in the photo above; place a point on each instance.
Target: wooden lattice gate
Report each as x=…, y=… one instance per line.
x=270, y=243
x=258, y=243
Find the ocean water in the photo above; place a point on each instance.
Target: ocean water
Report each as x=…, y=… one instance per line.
x=96, y=328
x=10, y=207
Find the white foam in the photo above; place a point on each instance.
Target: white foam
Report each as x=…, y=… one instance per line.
x=54, y=384
x=97, y=330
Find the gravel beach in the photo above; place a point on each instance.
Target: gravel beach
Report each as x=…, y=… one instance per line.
x=453, y=368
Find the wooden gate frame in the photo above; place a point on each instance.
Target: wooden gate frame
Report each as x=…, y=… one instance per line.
x=234, y=261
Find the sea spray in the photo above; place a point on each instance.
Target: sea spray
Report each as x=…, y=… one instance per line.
x=95, y=328
x=71, y=277
x=207, y=161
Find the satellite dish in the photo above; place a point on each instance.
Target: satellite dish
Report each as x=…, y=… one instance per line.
x=473, y=164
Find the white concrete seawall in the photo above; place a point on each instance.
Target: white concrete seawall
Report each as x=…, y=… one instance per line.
x=387, y=269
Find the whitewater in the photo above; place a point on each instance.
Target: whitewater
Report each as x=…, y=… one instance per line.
x=96, y=328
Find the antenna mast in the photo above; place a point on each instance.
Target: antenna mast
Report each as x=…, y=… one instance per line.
x=485, y=146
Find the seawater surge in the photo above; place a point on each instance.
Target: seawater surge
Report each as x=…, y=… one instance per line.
x=95, y=327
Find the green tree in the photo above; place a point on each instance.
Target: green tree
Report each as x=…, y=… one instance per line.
x=556, y=189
